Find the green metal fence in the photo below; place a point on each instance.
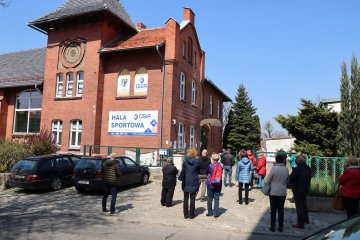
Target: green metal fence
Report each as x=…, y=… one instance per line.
x=152, y=157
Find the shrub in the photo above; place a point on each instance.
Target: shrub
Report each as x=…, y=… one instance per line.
x=41, y=144
x=11, y=152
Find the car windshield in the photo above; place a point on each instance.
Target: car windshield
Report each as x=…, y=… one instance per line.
x=24, y=164
x=349, y=229
x=89, y=163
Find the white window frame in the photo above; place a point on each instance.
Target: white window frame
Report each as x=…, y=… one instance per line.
x=77, y=130
x=59, y=82
x=192, y=136
x=193, y=93
x=69, y=82
x=182, y=86
x=180, y=141
x=78, y=82
x=211, y=106
x=56, y=130
x=218, y=108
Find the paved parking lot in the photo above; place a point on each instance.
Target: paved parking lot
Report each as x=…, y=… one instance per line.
x=43, y=215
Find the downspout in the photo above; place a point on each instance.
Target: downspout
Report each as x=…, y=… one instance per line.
x=162, y=95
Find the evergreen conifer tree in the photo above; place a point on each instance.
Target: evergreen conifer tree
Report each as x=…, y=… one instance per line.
x=245, y=128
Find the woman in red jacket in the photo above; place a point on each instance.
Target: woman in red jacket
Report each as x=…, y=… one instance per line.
x=350, y=192
x=261, y=169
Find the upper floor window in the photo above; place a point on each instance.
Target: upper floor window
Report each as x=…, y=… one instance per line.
x=79, y=83
x=193, y=93
x=211, y=106
x=59, y=84
x=182, y=86
x=181, y=136
x=123, y=84
x=141, y=82
x=184, y=49
x=69, y=83
x=192, y=136
x=28, y=112
x=75, y=133
x=57, y=131
x=190, y=50
x=218, y=109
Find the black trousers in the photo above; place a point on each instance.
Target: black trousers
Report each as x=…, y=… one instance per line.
x=301, y=208
x=351, y=206
x=167, y=196
x=246, y=192
x=277, y=205
x=186, y=204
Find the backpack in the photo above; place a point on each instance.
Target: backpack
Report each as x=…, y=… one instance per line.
x=216, y=176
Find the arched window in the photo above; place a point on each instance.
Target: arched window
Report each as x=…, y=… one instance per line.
x=123, y=85
x=141, y=82
x=79, y=83
x=28, y=112
x=57, y=131
x=192, y=136
x=180, y=136
x=193, y=93
x=182, y=86
x=75, y=133
x=59, y=84
x=69, y=84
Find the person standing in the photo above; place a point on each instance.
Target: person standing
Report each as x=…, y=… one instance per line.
x=261, y=169
x=228, y=163
x=204, y=162
x=214, y=188
x=190, y=183
x=350, y=192
x=300, y=179
x=168, y=182
x=111, y=176
x=293, y=159
x=253, y=161
x=243, y=175
x=277, y=179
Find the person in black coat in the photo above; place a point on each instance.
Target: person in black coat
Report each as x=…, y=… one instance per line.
x=300, y=179
x=168, y=183
x=204, y=162
x=190, y=183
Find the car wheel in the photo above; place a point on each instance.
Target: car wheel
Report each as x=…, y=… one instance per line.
x=56, y=184
x=145, y=179
x=79, y=189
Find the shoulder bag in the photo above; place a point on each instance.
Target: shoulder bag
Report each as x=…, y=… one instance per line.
x=266, y=189
x=337, y=202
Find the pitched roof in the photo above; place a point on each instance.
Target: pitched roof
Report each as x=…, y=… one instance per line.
x=144, y=38
x=23, y=68
x=226, y=98
x=73, y=8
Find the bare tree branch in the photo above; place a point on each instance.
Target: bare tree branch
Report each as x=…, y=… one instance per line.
x=4, y=3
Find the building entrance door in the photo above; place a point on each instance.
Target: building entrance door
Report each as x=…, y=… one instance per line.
x=204, y=138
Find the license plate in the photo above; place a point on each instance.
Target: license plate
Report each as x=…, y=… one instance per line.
x=19, y=177
x=83, y=182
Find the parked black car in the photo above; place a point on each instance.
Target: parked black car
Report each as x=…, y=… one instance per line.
x=88, y=173
x=44, y=172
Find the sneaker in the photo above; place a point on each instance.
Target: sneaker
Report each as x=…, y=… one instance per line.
x=105, y=210
x=208, y=215
x=216, y=216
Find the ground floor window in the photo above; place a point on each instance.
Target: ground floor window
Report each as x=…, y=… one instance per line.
x=180, y=136
x=57, y=131
x=75, y=133
x=192, y=136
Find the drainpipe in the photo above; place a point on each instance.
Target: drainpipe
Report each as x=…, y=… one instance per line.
x=162, y=94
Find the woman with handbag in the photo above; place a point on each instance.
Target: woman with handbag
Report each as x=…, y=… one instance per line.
x=277, y=179
x=350, y=192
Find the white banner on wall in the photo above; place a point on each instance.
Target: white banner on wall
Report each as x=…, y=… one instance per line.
x=141, y=85
x=133, y=123
x=123, y=85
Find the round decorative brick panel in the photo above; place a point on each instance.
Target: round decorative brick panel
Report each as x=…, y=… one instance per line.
x=72, y=53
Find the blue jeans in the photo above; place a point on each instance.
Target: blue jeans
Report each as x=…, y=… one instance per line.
x=261, y=181
x=228, y=172
x=109, y=189
x=213, y=194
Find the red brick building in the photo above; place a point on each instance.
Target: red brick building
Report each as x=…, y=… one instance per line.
x=102, y=80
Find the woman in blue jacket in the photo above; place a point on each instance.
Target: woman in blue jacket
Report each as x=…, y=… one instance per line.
x=243, y=175
x=191, y=182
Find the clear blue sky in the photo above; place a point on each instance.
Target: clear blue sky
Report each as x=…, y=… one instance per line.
x=281, y=50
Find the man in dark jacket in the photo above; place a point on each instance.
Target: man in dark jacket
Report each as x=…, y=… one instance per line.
x=228, y=162
x=300, y=179
x=168, y=183
x=111, y=176
x=204, y=162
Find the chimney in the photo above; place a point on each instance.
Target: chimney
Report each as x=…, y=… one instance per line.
x=188, y=14
x=141, y=25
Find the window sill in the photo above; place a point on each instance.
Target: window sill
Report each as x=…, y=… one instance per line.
x=194, y=105
x=130, y=97
x=183, y=100
x=74, y=148
x=67, y=98
x=14, y=135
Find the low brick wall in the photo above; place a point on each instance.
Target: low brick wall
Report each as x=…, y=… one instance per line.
x=321, y=204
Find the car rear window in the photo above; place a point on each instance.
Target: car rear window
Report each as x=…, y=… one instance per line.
x=25, y=164
x=89, y=163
